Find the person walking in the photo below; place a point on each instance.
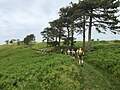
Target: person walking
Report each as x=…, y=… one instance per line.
x=73, y=54
x=68, y=52
x=62, y=52
x=80, y=54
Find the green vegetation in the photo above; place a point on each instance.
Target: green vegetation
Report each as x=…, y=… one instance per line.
x=23, y=68
x=106, y=56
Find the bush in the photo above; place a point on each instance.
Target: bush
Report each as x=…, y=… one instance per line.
x=116, y=41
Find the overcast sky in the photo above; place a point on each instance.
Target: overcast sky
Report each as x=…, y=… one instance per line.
x=19, y=18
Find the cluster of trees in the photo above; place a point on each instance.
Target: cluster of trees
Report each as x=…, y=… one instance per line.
x=27, y=40
x=81, y=17
x=12, y=41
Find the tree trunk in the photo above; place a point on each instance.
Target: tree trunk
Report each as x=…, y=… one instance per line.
x=72, y=38
x=68, y=35
x=56, y=38
x=59, y=41
x=89, y=32
x=59, y=38
x=84, y=34
x=47, y=40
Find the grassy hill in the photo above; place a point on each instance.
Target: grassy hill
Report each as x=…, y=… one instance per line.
x=23, y=68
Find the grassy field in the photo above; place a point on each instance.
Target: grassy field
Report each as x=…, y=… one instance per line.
x=23, y=68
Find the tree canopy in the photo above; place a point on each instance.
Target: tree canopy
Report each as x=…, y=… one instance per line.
x=29, y=39
x=83, y=16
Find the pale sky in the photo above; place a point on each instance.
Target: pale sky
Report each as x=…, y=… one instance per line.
x=19, y=18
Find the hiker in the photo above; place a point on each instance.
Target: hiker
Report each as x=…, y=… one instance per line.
x=73, y=53
x=49, y=50
x=61, y=51
x=80, y=54
x=65, y=52
x=68, y=52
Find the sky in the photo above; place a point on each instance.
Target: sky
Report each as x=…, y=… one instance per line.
x=19, y=18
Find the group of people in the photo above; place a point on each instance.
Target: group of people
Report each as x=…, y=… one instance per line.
x=79, y=53
x=44, y=50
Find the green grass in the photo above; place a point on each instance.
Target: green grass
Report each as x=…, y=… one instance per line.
x=105, y=56
x=22, y=68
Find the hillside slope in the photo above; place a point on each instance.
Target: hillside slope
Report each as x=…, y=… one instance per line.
x=22, y=68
